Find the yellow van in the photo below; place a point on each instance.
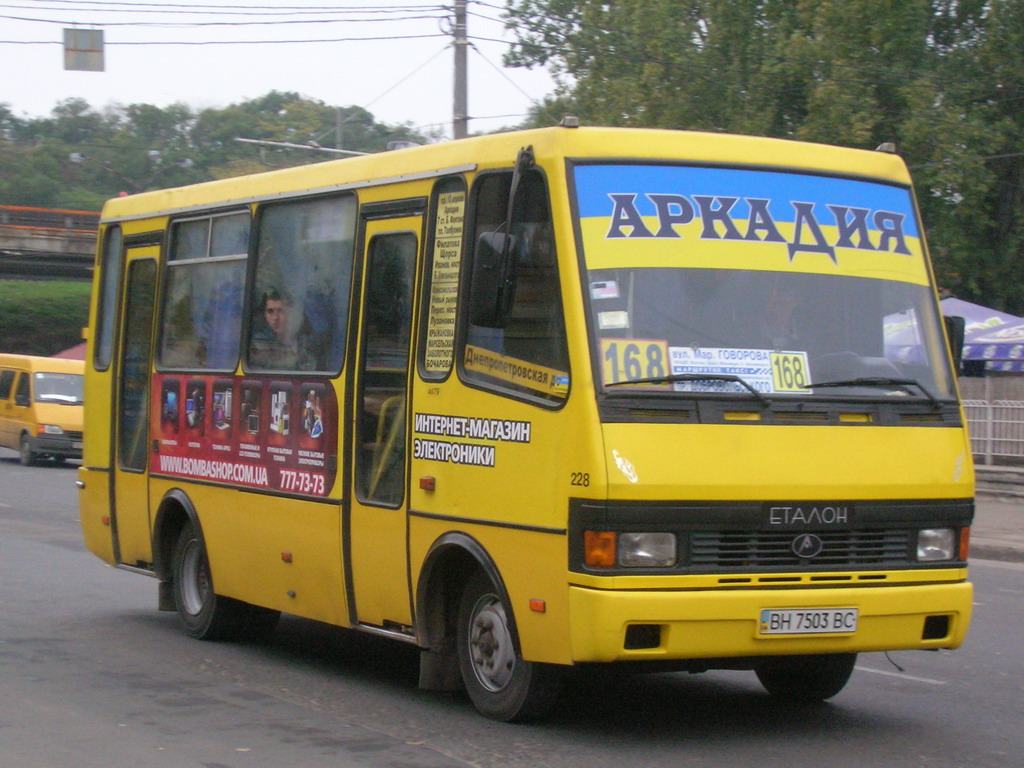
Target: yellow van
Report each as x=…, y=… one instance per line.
x=41, y=407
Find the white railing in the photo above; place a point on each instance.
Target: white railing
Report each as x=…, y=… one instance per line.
x=996, y=428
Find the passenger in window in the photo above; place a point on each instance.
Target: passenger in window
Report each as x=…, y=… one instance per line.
x=273, y=344
x=283, y=339
x=276, y=314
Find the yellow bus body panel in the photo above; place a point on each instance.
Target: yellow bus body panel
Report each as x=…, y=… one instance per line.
x=550, y=145
x=789, y=463
x=280, y=553
x=94, y=512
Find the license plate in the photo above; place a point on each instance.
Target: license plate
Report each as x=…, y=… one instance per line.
x=808, y=621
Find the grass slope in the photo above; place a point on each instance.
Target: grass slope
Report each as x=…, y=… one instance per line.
x=42, y=317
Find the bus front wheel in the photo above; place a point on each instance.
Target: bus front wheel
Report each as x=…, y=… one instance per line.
x=26, y=455
x=500, y=683
x=205, y=614
x=806, y=679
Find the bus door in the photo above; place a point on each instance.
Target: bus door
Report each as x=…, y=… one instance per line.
x=130, y=517
x=378, y=520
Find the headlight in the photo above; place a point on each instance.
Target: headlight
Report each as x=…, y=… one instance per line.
x=608, y=549
x=936, y=544
x=647, y=550
x=50, y=429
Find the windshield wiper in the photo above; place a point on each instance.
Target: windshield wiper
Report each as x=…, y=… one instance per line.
x=877, y=381
x=672, y=378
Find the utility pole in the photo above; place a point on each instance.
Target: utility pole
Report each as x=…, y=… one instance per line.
x=460, y=117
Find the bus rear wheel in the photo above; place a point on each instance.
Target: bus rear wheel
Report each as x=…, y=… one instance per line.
x=205, y=614
x=500, y=683
x=806, y=679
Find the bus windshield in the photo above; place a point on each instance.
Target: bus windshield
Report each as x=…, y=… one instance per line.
x=705, y=280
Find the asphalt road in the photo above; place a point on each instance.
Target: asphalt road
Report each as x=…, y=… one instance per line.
x=91, y=675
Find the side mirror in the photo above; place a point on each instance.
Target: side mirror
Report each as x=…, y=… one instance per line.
x=495, y=261
x=493, y=280
x=956, y=329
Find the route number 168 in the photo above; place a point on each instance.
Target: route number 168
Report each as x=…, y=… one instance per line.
x=632, y=359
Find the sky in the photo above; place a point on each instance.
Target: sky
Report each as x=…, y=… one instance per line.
x=392, y=57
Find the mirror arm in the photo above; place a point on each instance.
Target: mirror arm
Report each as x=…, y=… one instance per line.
x=955, y=332
x=525, y=160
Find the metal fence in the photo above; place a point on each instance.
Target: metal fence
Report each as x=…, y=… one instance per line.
x=997, y=430
x=24, y=217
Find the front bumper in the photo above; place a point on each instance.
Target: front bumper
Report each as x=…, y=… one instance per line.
x=708, y=624
x=65, y=446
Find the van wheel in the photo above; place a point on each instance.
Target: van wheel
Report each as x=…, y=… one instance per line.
x=25, y=454
x=806, y=679
x=500, y=683
x=205, y=614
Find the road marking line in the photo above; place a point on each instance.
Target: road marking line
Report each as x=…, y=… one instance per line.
x=901, y=675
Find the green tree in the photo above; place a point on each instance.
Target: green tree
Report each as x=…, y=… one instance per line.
x=79, y=157
x=287, y=118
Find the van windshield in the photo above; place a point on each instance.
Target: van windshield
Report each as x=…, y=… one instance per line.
x=63, y=388
x=730, y=280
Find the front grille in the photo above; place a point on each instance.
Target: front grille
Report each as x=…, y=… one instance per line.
x=765, y=549
x=73, y=435
x=739, y=538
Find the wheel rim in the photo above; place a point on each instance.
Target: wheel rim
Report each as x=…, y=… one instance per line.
x=490, y=644
x=195, y=578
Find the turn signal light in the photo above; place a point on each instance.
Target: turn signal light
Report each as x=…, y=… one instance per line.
x=599, y=549
x=965, y=543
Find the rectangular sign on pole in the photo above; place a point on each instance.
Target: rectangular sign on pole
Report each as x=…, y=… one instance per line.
x=83, y=49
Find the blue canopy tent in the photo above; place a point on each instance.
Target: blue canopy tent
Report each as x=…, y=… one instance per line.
x=993, y=337
x=993, y=340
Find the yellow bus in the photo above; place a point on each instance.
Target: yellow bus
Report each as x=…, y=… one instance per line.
x=537, y=400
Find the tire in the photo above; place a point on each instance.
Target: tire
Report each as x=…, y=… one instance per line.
x=806, y=679
x=25, y=454
x=205, y=614
x=499, y=682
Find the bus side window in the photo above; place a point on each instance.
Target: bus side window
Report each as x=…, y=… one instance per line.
x=441, y=278
x=106, y=312
x=202, y=317
x=380, y=464
x=534, y=331
x=300, y=299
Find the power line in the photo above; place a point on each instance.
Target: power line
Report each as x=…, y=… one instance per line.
x=500, y=72
x=155, y=15
x=236, y=42
x=223, y=10
x=414, y=71
x=178, y=24
x=399, y=13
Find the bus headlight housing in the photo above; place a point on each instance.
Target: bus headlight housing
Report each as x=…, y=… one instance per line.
x=934, y=544
x=647, y=550
x=49, y=429
x=610, y=549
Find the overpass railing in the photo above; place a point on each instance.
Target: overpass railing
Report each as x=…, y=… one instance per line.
x=25, y=217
